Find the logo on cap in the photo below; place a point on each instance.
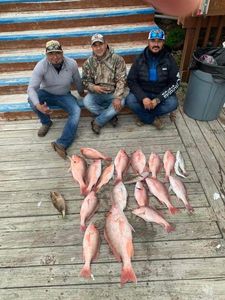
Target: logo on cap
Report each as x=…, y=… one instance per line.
x=53, y=46
x=97, y=38
x=156, y=34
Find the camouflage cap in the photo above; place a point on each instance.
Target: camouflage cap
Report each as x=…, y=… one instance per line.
x=53, y=46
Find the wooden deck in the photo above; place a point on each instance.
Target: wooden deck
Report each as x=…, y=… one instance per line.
x=41, y=254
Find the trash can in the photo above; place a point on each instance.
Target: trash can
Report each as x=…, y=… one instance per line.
x=206, y=87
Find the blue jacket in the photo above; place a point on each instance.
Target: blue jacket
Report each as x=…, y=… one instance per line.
x=166, y=81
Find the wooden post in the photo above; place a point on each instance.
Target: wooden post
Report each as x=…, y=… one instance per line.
x=190, y=43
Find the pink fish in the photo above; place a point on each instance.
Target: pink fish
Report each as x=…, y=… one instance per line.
x=119, y=237
x=168, y=162
x=155, y=164
x=93, y=174
x=119, y=195
x=91, y=243
x=140, y=194
x=158, y=189
x=179, y=189
x=138, y=161
x=94, y=154
x=121, y=163
x=107, y=174
x=89, y=206
x=149, y=214
x=78, y=168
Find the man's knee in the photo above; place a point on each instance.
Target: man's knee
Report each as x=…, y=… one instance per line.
x=130, y=100
x=171, y=104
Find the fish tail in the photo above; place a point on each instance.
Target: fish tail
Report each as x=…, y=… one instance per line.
x=173, y=210
x=82, y=228
x=127, y=274
x=108, y=158
x=63, y=214
x=83, y=190
x=189, y=208
x=169, y=228
x=118, y=179
x=85, y=272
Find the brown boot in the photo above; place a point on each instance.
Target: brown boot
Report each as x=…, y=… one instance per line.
x=172, y=116
x=139, y=123
x=158, y=123
x=59, y=149
x=95, y=127
x=44, y=129
x=114, y=121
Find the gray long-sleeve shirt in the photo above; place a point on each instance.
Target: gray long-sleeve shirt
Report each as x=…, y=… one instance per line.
x=46, y=77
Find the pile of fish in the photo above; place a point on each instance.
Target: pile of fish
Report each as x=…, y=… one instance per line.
x=118, y=232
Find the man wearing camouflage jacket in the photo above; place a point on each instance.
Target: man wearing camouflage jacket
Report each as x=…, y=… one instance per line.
x=104, y=76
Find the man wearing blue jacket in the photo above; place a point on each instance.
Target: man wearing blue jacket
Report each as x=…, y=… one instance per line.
x=153, y=80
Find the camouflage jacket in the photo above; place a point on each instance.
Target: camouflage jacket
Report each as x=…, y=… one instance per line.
x=110, y=72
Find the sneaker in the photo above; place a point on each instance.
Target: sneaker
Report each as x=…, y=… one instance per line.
x=44, y=129
x=59, y=149
x=95, y=127
x=158, y=123
x=114, y=121
x=139, y=123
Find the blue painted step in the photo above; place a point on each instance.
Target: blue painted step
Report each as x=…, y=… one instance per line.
x=77, y=33
x=77, y=15
x=74, y=55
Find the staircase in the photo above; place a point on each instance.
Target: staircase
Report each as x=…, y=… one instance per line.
x=25, y=26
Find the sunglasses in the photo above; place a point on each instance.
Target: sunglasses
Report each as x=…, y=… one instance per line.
x=54, y=48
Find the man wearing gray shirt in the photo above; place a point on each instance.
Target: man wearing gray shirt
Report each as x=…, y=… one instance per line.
x=50, y=85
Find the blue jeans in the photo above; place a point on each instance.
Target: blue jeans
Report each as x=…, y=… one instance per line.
x=148, y=116
x=69, y=104
x=101, y=106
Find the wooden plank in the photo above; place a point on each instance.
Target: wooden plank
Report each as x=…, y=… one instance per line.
x=207, y=33
x=162, y=250
x=198, y=289
x=43, y=206
x=53, y=221
x=200, y=162
x=110, y=272
x=190, y=43
x=218, y=131
x=216, y=7
x=71, y=235
x=72, y=193
x=219, y=29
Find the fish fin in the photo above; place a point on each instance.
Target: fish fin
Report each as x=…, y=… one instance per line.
x=85, y=272
x=173, y=210
x=169, y=228
x=127, y=274
x=130, y=248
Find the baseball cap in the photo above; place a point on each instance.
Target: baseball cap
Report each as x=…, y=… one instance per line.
x=157, y=34
x=53, y=46
x=97, y=37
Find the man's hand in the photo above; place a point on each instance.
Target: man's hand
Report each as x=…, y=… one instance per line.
x=147, y=102
x=43, y=108
x=155, y=102
x=117, y=104
x=100, y=89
